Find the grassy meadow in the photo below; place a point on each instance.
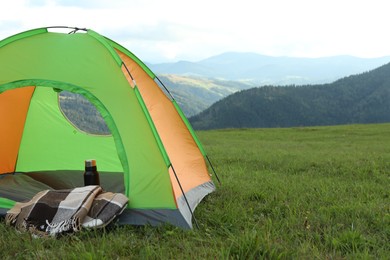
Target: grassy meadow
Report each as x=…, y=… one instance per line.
x=312, y=193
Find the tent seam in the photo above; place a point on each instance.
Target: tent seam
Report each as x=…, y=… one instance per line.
x=101, y=39
x=24, y=125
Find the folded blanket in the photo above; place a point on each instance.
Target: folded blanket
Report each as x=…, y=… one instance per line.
x=51, y=212
x=105, y=207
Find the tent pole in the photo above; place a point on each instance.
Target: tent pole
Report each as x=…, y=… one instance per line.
x=166, y=89
x=185, y=197
x=215, y=173
x=75, y=29
x=128, y=72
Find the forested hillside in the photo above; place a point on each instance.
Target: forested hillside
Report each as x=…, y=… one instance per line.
x=362, y=98
x=82, y=114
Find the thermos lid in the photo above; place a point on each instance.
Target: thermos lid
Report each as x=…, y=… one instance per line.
x=90, y=163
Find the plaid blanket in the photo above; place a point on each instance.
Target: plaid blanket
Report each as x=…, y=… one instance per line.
x=51, y=212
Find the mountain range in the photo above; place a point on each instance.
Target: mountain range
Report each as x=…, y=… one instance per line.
x=197, y=85
x=361, y=98
x=259, y=70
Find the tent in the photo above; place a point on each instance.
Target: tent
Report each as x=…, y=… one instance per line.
x=152, y=154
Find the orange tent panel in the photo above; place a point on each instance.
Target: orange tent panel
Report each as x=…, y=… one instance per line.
x=13, y=111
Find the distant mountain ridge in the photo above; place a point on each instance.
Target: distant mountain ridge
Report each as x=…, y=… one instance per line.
x=361, y=98
x=261, y=70
x=195, y=94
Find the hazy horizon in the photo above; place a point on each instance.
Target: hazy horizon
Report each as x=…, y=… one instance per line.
x=173, y=30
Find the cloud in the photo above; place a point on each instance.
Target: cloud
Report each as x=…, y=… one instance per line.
x=85, y=4
x=90, y=4
x=36, y=3
x=7, y=24
x=176, y=29
x=161, y=32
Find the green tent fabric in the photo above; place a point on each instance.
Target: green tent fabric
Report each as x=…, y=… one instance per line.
x=152, y=154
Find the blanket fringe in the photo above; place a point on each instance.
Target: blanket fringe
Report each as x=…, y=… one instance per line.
x=10, y=219
x=72, y=224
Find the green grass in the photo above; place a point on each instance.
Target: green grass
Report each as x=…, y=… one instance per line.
x=311, y=193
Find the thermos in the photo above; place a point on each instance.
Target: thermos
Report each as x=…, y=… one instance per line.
x=91, y=175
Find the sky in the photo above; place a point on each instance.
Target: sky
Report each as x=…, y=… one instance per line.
x=172, y=30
